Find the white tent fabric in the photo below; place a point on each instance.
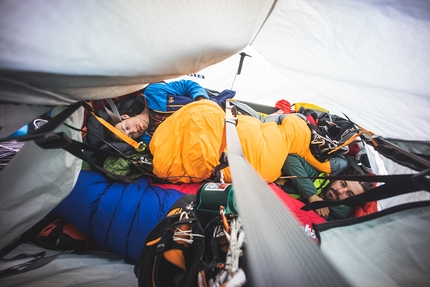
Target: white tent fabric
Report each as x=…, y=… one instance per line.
x=94, y=268
x=366, y=59
x=35, y=181
x=386, y=261
x=58, y=52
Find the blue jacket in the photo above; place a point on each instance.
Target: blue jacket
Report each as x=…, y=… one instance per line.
x=164, y=98
x=117, y=215
x=171, y=96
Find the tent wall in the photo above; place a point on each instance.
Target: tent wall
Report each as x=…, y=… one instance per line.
x=35, y=181
x=397, y=256
x=367, y=58
x=54, y=53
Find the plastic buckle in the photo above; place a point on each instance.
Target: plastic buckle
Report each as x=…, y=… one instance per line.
x=231, y=111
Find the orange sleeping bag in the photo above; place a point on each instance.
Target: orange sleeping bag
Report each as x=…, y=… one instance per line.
x=186, y=145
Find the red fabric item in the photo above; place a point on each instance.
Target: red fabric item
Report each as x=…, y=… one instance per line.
x=305, y=218
x=51, y=238
x=284, y=107
x=186, y=188
x=368, y=207
x=365, y=209
x=311, y=120
x=353, y=149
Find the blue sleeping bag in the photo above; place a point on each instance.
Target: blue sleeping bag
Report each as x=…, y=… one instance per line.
x=117, y=215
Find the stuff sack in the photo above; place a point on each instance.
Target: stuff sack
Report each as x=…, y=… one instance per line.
x=61, y=235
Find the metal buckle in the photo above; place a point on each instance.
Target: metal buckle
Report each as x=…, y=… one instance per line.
x=141, y=147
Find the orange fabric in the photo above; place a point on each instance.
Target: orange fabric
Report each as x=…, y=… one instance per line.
x=186, y=145
x=266, y=145
x=365, y=209
x=152, y=242
x=176, y=257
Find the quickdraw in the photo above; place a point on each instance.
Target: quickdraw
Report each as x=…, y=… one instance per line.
x=231, y=274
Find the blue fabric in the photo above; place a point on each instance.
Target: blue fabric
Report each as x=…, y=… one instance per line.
x=158, y=94
x=163, y=97
x=119, y=216
x=168, y=97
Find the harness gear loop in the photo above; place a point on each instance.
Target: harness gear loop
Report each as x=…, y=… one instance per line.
x=231, y=273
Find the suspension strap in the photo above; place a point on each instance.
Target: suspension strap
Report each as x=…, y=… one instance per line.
x=394, y=185
x=46, y=138
x=271, y=228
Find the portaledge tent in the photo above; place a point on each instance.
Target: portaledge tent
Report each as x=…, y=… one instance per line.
x=366, y=59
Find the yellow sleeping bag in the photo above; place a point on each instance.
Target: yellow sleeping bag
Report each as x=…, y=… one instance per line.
x=186, y=145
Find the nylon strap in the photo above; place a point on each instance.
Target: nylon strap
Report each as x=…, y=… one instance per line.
x=34, y=261
x=395, y=185
x=47, y=128
x=280, y=253
x=114, y=108
x=347, y=142
x=45, y=138
x=61, y=140
x=138, y=146
x=114, y=113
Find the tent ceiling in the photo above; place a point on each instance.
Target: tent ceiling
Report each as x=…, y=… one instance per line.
x=87, y=49
x=366, y=59
x=369, y=59
x=55, y=53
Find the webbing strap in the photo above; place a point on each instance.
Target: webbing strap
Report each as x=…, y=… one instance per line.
x=27, y=262
x=61, y=140
x=347, y=142
x=114, y=108
x=280, y=252
x=138, y=146
x=47, y=128
x=395, y=185
x=45, y=138
x=114, y=113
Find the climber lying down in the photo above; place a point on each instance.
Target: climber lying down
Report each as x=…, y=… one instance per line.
x=186, y=146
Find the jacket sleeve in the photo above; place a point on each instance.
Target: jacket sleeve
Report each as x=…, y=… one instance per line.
x=296, y=165
x=189, y=88
x=173, y=95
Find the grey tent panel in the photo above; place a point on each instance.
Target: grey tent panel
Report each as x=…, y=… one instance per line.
x=389, y=248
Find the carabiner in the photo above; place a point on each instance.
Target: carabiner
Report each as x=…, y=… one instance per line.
x=141, y=147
